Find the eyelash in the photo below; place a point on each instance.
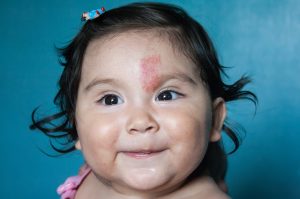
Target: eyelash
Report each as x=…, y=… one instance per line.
x=118, y=100
x=178, y=95
x=111, y=102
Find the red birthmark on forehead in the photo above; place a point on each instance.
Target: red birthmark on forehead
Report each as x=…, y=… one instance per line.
x=149, y=72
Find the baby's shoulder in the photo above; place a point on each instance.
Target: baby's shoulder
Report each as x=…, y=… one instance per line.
x=214, y=191
x=217, y=195
x=204, y=187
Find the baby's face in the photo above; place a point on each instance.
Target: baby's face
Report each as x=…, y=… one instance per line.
x=143, y=117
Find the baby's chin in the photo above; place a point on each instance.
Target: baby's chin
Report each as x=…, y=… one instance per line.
x=147, y=181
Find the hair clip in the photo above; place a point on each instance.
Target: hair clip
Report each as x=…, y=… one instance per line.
x=92, y=14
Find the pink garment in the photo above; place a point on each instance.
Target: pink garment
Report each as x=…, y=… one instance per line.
x=69, y=188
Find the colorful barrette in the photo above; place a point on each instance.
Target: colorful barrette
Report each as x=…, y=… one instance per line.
x=92, y=14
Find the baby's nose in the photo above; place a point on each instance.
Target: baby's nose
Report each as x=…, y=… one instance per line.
x=141, y=121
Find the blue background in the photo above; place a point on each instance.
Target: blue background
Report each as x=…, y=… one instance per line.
x=257, y=37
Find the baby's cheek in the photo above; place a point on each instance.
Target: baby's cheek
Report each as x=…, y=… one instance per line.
x=97, y=134
x=99, y=147
x=188, y=143
x=186, y=128
x=106, y=135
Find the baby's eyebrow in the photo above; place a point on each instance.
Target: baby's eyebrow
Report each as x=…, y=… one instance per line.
x=162, y=79
x=177, y=76
x=96, y=82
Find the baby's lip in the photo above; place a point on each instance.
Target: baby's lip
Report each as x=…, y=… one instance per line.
x=145, y=151
x=140, y=154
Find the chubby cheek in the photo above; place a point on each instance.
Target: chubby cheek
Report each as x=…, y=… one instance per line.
x=98, y=138
x=188, y=136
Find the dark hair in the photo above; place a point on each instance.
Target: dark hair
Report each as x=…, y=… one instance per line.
x=184, y=33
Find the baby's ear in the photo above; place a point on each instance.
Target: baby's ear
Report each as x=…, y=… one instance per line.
x=78, y=145
x=219, y=115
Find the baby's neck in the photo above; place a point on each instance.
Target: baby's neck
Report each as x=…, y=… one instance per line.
x=202, y=187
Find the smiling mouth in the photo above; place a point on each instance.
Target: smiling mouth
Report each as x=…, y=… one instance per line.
x=142, y=154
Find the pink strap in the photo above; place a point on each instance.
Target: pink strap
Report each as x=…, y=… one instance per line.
x=69, y=188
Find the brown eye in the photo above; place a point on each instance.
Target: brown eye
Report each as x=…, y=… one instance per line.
x=168, y=95
x=110, y=99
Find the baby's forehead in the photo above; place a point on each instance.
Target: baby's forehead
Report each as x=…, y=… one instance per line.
x=152, y=39
x=155, y=35
x=147, y=47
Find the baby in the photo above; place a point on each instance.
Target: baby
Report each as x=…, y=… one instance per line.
x=142, y=97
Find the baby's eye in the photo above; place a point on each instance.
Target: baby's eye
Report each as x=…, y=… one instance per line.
x=168, y=95
x=110, y=99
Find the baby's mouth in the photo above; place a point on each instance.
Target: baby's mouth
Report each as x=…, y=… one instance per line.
x=142, y=154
